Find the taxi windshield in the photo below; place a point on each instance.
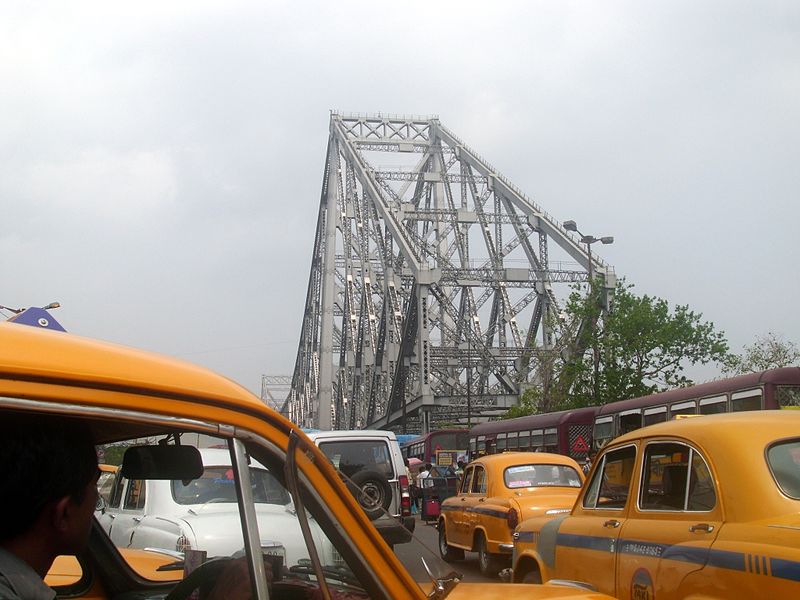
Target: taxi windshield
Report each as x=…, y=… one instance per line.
x=217, y=485
x=784, y=462
x=541, y=475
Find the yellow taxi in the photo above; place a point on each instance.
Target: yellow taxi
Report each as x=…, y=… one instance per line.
x=702, y=508
x=163, y=412
x=496, y=493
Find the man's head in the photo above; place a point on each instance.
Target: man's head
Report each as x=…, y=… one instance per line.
x=427, y=466
x=49, y=478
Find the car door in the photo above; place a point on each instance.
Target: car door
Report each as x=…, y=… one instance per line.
x=108, y=514
x=457, y=524
x=671, y=527
x=130, y=514
x=586, y=541
x=475, y=500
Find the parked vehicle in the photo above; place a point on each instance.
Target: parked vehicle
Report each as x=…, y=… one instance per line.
x=704, y=507
x=497, y=492
x=124, y=395
x=202, y=514
x=373, y=468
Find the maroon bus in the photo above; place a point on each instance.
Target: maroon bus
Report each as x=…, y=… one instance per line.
x=566, y=432
x=442, y=447
x=777, y=388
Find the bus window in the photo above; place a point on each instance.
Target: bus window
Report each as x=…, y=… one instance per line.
x=551, y=440
x=630, y=420
x=524, y=440
x=657, y=414
x=683, y=408
x=712, y=406
x=537, y=439
x=501, y=442
x=749, y=400
x=472, y=447
x=603, y=431
x=788, y=396
x=513, y=440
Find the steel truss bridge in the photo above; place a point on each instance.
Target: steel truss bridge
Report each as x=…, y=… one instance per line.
x=432, y=291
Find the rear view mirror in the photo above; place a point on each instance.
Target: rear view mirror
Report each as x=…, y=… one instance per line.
x=162, y=462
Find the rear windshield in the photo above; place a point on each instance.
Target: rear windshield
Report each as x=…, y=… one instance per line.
x=351, y=457
x=784, y=462
x=525, y=476
x=217, y=485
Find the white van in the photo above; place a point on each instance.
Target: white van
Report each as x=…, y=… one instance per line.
x=374, y=470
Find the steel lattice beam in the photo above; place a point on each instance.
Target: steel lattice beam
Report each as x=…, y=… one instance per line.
x=427, y=273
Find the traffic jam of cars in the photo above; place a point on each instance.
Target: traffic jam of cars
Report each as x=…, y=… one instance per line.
x=215, y=487
x=226, y=497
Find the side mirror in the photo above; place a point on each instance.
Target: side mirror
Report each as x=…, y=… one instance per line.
x=162, y=462
x=101, y=505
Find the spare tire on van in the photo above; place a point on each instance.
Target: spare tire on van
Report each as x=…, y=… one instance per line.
x=372, y=492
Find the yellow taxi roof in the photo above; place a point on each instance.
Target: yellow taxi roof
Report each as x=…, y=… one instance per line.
x=516, y=458
x=752, y=427
x=42, y=356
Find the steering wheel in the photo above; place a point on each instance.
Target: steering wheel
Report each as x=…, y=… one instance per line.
x=206, y=573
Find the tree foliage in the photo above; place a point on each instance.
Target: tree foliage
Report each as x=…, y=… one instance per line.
x=639, y=347
x=769, y=351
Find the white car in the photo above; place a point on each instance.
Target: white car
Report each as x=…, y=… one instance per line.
x=202, y=514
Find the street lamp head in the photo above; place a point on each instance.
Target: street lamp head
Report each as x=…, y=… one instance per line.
x=570, y=226
x=609, y=239
x=589, y=239
x=51, y=306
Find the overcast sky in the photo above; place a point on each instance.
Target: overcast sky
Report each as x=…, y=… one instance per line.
x=161, y=164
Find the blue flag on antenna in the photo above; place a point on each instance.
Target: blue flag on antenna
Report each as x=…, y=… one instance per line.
x=37, y=317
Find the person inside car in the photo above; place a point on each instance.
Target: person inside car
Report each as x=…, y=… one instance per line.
x=49, y=483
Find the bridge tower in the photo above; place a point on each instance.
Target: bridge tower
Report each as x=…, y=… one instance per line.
x=432, y=291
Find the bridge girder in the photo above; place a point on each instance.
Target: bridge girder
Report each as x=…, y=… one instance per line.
x=425, y=262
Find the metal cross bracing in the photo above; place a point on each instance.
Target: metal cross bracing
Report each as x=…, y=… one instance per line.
x=432, y=291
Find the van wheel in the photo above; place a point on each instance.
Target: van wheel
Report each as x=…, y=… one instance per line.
x=446, y=551
x=489, y=564
x=372, y=492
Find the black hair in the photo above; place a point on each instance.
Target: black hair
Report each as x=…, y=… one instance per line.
x=42, y=459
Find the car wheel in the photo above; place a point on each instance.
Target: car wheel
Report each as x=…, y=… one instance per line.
x=446, y=551
x=489, y=564
x=372, y=491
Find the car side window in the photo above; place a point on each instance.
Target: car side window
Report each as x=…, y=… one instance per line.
x=479, y=481
x=116, y=491
x=134, y=497
x=466, y=480
x=675, y=478
x=611, y=483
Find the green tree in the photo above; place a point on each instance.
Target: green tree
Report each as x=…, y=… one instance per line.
x=769, y=351
x=639, y=347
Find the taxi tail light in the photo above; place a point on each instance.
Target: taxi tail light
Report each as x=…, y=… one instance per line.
x=405, y=496
x=513, y=519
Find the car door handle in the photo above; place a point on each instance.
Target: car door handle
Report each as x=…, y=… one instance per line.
x=137, y=519
x=463, y=499
x=611, y=524
x=481, y=499
x=112, y=516
x=704, y=527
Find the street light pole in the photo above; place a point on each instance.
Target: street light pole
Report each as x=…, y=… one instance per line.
x=589, y=240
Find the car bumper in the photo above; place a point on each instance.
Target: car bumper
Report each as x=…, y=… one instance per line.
x=396, y=531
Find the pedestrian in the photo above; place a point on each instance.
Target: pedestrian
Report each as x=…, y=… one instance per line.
x=412, y=487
